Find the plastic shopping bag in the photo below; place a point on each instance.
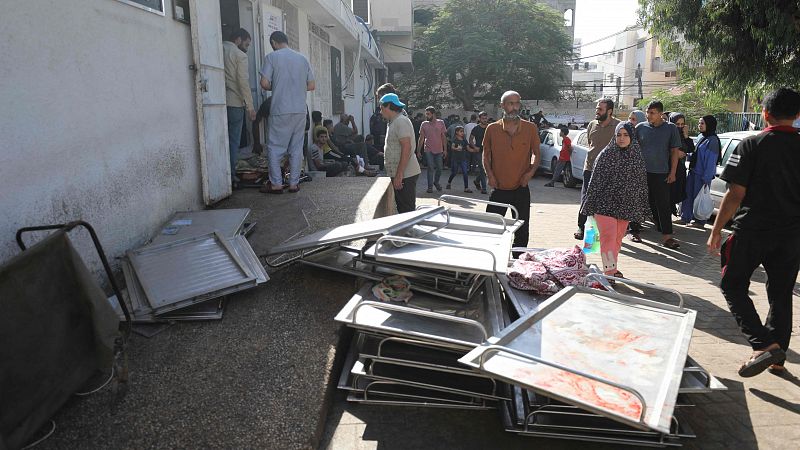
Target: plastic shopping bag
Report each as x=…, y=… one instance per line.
x=591, y=237
x=703, y=206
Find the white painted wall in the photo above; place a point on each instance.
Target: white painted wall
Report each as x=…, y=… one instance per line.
x=97, y=120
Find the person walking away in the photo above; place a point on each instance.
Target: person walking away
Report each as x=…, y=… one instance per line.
x=599, y=133
x=433, y=140
x=476, y=148
x=288, y=75
x=763, y=199
x=458, y=159
x=677, y=193
x=398, y=153
x=510, y=158
x=563, y=156
x=702, y=167
x=617, y=194
x=238, y=99
x=661, y=147
x=636, y=117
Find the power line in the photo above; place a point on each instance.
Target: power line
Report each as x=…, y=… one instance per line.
x=631, y=28
x=612, y=51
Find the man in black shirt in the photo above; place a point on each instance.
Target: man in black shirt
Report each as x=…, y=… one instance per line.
x=763, y=198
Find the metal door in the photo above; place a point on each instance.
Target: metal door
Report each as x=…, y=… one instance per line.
x=212, y=117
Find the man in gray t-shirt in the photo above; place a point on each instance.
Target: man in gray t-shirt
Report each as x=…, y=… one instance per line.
x=661, y=143
x=288, y=75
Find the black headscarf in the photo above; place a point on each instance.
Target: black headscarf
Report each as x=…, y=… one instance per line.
x=711, y=125
x=711, y=131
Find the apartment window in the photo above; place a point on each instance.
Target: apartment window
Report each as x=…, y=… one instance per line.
x=361, y=9
x=154, y=6
x=619, y=57
x=180, y=10
x=673, y=73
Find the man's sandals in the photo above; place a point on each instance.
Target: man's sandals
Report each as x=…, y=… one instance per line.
x=771, y=358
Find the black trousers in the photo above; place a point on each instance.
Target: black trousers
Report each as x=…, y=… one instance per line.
x=519, y=198
x=406, y=198
x=658, y=191
x=587, y=176
x=741, y=255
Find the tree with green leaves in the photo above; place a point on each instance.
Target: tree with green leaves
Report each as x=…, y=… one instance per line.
x=691, y=100
x=475, y=50
x=730, y=45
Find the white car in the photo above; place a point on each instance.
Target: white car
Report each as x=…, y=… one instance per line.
x=550, y=148
x=728, y=143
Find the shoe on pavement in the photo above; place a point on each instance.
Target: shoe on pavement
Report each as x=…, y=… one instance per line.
x=468, y=190
x=476, y=183
x=430, y=190
x=578, y=234
x=483, y=191
x=550, y=184
x=438, y=187
x=636, y=238
x=448, y=186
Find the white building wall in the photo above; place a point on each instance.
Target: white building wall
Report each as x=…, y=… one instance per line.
x=97, y=120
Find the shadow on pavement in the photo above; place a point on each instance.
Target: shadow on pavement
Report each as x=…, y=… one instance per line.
x=721, y=423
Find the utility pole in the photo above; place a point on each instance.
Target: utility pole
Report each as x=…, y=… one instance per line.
x=639, y=80
x=619, y=89
x=745, y=101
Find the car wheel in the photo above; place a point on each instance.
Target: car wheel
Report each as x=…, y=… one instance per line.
x=569, y=180
x=553, y=164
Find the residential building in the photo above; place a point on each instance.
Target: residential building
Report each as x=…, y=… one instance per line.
x=635, y=55
x=114, y=110
x=393, y=23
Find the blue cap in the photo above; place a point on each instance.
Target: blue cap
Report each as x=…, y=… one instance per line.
x=392, y=98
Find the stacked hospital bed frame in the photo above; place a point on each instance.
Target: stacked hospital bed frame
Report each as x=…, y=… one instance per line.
x=583, y=364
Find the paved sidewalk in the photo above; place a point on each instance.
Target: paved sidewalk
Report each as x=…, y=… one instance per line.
x=760, y=412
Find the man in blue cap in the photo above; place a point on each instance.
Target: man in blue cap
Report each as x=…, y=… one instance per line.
x=398, y=152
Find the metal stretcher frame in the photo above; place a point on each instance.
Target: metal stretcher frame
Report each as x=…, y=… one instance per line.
x=364, y=390
x=363, y=369
x=164, y=296
x=351, y=261
x=228, y=222
x=666, y=389
x=388, y=400
x=354, y=231
x=456, y=200
x=571, y=423
x=458, y=332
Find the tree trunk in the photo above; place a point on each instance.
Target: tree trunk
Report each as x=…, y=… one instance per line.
x=464, y=91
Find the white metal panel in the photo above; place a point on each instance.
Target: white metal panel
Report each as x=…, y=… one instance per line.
x=212, y=118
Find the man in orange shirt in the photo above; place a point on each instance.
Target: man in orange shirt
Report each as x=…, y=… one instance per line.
x=510, y=157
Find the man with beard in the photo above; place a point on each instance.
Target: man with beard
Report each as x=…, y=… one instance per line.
x=510, y=158
x=599, y=133
x=238, y=98
x=288, y=75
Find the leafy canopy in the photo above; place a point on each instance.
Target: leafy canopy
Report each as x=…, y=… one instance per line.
x=731, y=45
x=476, y=50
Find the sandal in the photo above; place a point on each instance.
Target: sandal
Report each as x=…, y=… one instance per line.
x=294, y=190
x=267, y=189
x=578, y=234
x=671, y=244
x=636, y=238
x=618, y=274
x=759, y=363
